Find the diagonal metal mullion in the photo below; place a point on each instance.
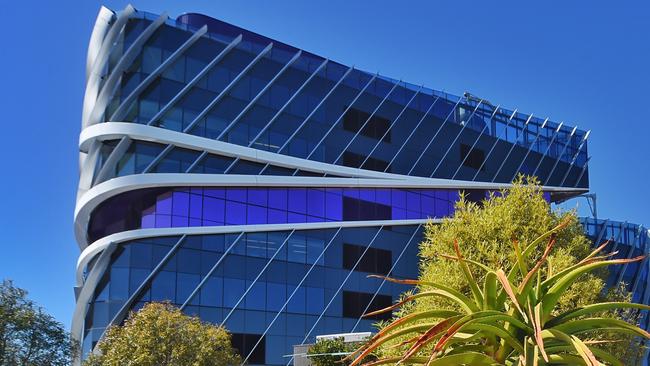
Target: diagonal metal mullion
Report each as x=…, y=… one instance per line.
x=158, y=158
x=633, y=246
x=601, y=233
x=211, y=271
x=341, y=116
x=584, y=169
x=122, y=109
x=110, y=85
x=195, y=80
x=494, y=145
x=279, y=112
x=575, y=157
x=268, y=263
x=340, y=287
x=383, y=281
x=548, y=148
x=226, y=90
x=559, y=157
x=412, y=133
x=451, y=112
x=301, y=125
x=637, y=276
x=512, y=147
x=260, y=93
x=277, y=315
x=207, y=109
x=618, y=237
x=539, y=132
x=121, y=314
x=391, y=125
x=366, y=122
x=107, y=170
x=196, y=161
x=478, y=137
x=125, y=141
x=456, y=138
x=315, y=109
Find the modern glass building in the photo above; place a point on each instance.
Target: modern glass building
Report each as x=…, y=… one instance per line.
x=256, y=185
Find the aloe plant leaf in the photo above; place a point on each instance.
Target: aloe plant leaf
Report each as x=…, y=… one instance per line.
x=584, y=352
x=594, y=308
x=476, y=291
x=552, y=296
x=611, y=324
x=490, y=291
x=456, y=296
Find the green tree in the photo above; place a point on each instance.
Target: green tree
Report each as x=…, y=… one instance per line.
x=488, y=234
x=28, y=335
x=159, y=335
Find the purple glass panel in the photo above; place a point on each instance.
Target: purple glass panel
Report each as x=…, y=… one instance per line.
x=351, y=192
x=213, y=209
x=453, y=195
x=383, y=196
x=215, y=192
x=164, y=204
x=179, y=221
x=314, y=219
x=277, y=216
x=367, y=194
x=258, y=196
x=256, y=215
x=442, y=208
x=316, y=202
x=278, y=198
x=413, y=215
x=298, y=200
x=296, y=218
x=333, y=207
x=399, y=213
x=180, y=204
x=399, y=198
x=235, y=213
x=338, y=191
x=148, y=221
x=163, y=221
x=428, y=206
x=236, y=194
x=196, y=206
x=203, y=207
x=413, y=201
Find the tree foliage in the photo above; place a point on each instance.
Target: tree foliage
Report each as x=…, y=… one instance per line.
x=159, y=335
x=332, y=352
x=28, y=335
x=488, y=234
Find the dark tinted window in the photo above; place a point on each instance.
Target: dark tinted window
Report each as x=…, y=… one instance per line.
x=472, y=158
x=244, y=343
x=355, y=160
x=375, y=128
x=355, y=303
x=475, y=195
x=356, y=209
x=374, y=261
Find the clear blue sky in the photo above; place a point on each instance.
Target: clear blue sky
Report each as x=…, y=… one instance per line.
x=586, y=64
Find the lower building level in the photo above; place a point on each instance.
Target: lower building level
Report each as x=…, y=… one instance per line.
x=277, y=289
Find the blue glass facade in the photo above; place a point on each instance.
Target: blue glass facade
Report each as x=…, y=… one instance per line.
x=208, y=156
